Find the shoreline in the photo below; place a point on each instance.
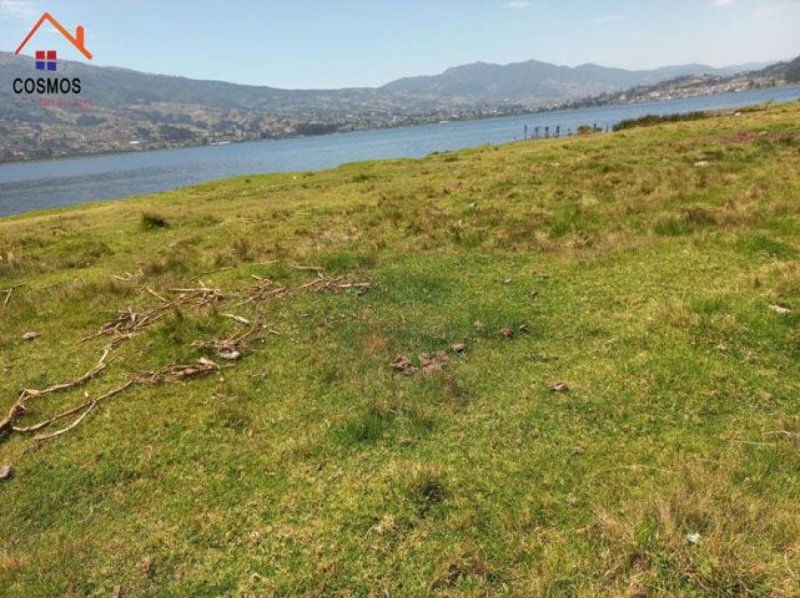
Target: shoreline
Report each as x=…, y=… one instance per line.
x=564, y=107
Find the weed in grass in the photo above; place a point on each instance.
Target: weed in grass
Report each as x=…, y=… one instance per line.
x=427, y=490
x=152, y=221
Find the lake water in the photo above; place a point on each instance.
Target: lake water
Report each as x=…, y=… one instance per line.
x=56, y=183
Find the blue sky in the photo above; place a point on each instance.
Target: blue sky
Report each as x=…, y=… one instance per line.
x=338, y=43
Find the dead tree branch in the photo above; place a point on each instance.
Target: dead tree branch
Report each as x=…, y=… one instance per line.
x=19, y=407
x=89, y=407
x=100, y=367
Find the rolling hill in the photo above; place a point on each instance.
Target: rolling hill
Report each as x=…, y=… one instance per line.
x=526, y=82
x=127, y=109
x=530, y=81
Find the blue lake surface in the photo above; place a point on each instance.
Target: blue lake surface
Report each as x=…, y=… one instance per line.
x=56, y=183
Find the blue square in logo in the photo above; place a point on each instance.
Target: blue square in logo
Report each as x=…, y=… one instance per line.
x=51, y=66
x=40, y=65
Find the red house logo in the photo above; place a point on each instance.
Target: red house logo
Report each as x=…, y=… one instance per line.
x=48, y=59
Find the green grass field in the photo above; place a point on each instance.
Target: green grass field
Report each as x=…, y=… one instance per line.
x=653, y=271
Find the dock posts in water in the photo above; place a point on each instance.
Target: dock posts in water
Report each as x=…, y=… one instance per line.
x=555, y=132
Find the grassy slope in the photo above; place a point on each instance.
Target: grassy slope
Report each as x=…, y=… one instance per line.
x=311, y=467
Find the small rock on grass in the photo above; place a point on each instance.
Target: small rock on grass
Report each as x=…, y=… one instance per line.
x=780, y=309
x=433, y=363
x=403, y=365
x=507, y=333
x=230, y=355
x=559, y=387
x=459, y=348
x=29, y=336
x=6, y=473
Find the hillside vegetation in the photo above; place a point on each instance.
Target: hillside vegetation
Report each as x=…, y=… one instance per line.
x=157, y=111
x=649, y=276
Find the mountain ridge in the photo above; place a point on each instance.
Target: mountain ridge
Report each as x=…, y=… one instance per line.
x=614, y=78
x=125, y=110
x=534, y=80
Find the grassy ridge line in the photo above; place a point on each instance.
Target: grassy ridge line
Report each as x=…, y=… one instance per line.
x=644, y=279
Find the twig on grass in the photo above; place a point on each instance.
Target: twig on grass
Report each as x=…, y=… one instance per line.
x=100, y=367
x=88, y=406
x=19, y=406
x=129, y=322
x=156, y=295
x=10, y=291
x=174, y=373
x=236, y=318
x=73, y=425
x=230, y=345
x=324, y=284
x=201, y=296
x=128, y=276
x=42, y=425
x=265, y=290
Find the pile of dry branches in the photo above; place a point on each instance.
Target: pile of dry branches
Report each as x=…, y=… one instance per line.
x=20, y=406
x=265, y=290
x=128, y=323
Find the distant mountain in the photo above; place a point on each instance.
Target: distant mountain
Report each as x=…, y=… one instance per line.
x=534, y=81
x=122, y=110
x=686, y=86
x=528, y=83
x=789, y=71
x=127, y=110
x=793, y=71
x=113, y=87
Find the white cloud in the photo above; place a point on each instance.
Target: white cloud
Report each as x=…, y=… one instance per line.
x=518, y=4
x=17, y=9
x=722, y=3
